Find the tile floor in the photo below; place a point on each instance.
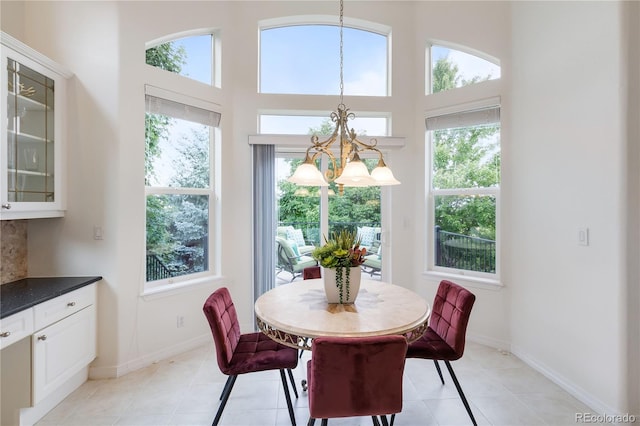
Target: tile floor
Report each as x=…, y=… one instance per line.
x=184, y=390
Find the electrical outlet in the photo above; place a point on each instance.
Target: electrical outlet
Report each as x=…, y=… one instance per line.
x=179, y=321
x=583, y=236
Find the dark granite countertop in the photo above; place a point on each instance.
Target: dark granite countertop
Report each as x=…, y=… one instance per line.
x=19, y=295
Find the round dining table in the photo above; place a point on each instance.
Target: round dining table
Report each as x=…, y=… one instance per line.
x=294, y=314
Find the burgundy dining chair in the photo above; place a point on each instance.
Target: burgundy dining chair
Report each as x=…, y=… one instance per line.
x=445, y=337
x=311, y=272
x=239, y=353
x=356, y=376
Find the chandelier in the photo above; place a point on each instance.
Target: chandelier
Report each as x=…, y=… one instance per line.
x=348, y=170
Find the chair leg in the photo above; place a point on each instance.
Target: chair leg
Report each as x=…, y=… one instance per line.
x=286, y=394
x=464, y=399
x=311, y=421
x=393, y=417
x=385, y=422
x=228, y=387
x=375, y=421
x=435, y=361
x=325, y=422
x=293, y=382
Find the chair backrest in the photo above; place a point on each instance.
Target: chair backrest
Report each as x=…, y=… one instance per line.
x=450, y=314
x=286, y=252
x=223, y=321
x=311, y=272
x=356, y=376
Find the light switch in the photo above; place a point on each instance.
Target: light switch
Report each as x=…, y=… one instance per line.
x=97, y=232
x=583, y=236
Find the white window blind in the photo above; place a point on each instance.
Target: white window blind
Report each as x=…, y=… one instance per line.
x=464, y=119
x=182, y=111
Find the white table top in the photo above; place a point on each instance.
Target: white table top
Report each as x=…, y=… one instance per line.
x=295, y=313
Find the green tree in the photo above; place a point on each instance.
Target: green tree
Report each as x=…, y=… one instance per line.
x=356, y=205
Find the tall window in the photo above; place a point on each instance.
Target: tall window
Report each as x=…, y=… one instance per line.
x=464, y=162
x=179, y=187
x=300, y=60
x=181, y=139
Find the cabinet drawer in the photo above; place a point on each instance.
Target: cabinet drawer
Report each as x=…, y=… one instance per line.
x=15, y=327
x=62, y=306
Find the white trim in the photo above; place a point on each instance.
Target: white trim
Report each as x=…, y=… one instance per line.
x=329, y=20
x=112, y=372
x=467, y=278
x=493, y=101
x=386, y=142
x=582, y=395
x=181, y=98
x=180, y=35
x=151, y=292
x=34, y=55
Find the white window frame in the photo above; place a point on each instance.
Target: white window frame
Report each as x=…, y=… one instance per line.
x=176, y=284
x=447, y=272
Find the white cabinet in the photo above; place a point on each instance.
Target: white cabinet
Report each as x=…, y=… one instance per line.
x=33, y=111
x=16, y=327
x=61, y=350
x=65, y=342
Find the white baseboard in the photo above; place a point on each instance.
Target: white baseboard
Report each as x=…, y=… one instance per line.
x=488, y=341
x=597, y=405
x=110, y=372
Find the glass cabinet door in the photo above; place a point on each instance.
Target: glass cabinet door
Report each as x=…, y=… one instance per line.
x=30, y=135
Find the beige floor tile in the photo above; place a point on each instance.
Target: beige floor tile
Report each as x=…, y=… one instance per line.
x=185, y=390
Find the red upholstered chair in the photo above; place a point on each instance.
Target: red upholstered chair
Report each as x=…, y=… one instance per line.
x=356, y=376
x=311, y=272
x=239, y=353
x=445, y=337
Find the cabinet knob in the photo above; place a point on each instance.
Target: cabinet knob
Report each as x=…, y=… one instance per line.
x=71, y=304
x=5, y=334
x=6, y=206
x=43, y=337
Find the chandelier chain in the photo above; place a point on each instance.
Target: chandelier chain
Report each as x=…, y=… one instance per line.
x=341, y=53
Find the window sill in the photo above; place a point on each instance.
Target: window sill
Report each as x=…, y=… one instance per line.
x=165, y=290
x=467, y=280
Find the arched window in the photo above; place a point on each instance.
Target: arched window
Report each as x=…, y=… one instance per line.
x=451, y=68
x=191, y=56
x=304, y=59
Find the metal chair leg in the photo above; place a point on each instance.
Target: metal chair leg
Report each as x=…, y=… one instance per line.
x=293, y=382
x=435, y=361
x=311, y=421
x=325, y=422
x=228, y=387
x=375, y=421
x=286, y=394
x=393, y=417
x=385, y=422
x=464, y=399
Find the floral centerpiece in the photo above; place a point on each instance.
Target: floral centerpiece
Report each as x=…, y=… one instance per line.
x=342, y=253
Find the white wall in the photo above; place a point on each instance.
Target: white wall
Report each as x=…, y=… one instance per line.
x=568, y=170
x=561, y=307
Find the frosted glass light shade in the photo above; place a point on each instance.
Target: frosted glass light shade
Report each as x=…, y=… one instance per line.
x=383, y=176
x=308, y=175
x=355, y=174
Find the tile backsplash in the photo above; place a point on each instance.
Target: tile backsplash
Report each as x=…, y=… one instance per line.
x=13, y=250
